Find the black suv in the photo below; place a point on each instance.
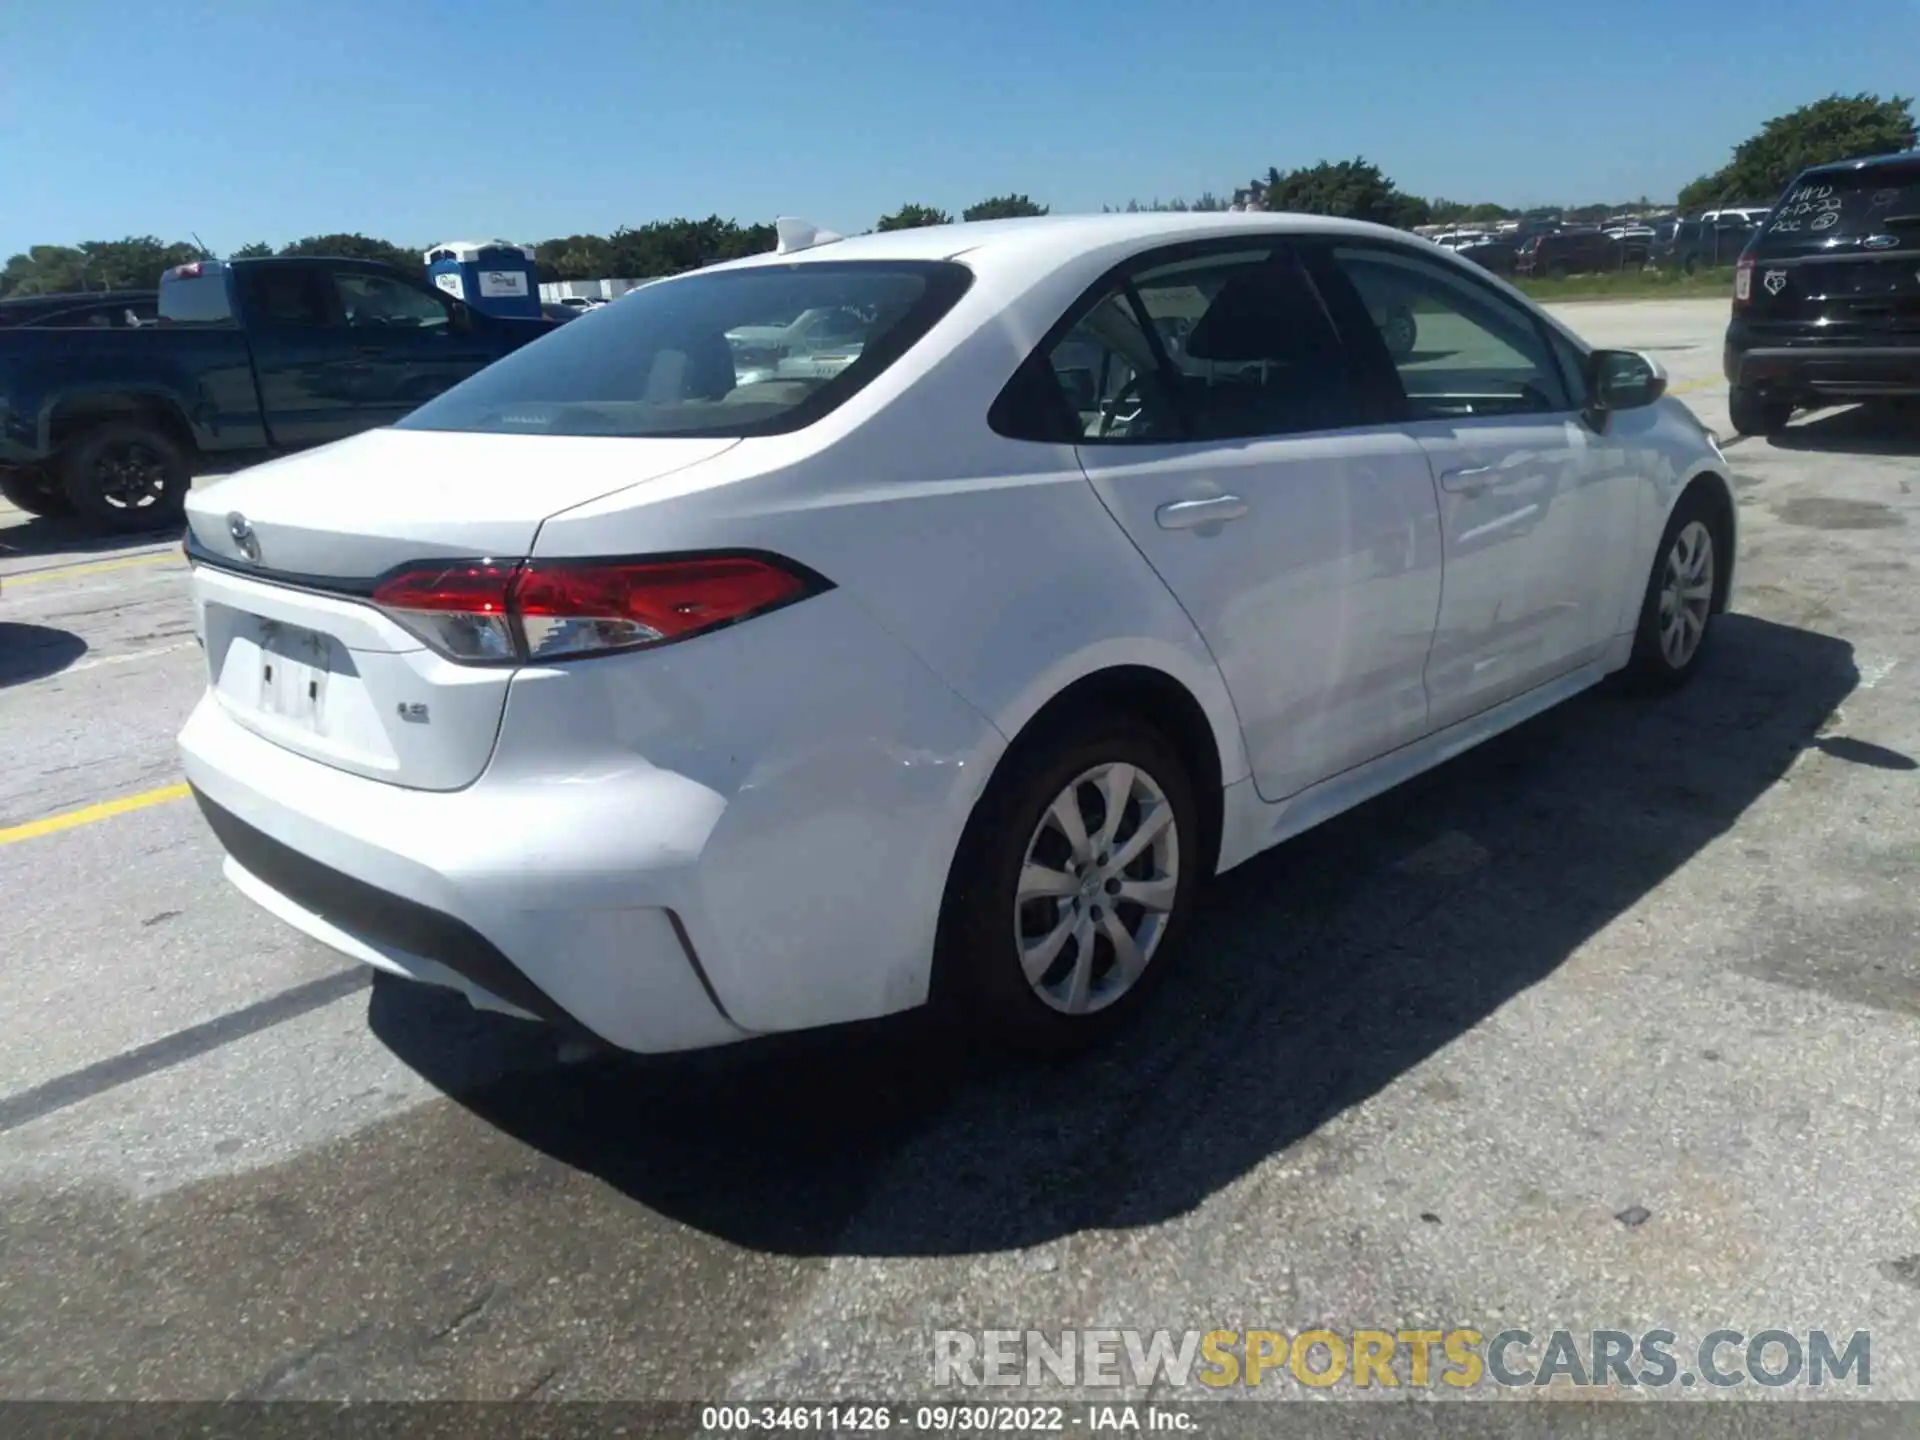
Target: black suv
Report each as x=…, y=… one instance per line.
x=1690, y=245
x=1826, y=296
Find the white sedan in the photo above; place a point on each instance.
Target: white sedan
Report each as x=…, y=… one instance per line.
x=617, y=689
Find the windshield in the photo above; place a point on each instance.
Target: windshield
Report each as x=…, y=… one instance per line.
x=1846, y=208
x=669, y=359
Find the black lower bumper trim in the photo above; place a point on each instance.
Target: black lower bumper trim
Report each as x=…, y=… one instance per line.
x=364, y=909
x=1859, y=372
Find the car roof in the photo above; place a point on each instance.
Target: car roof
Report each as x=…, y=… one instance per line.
x=1044, y=241
x=1866, y=162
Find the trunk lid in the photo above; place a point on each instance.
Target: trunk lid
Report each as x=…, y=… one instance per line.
x=291, y=549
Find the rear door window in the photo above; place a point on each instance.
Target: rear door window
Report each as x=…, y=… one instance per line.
x=1205, y=345
x=289, y=297
x=1874, y=208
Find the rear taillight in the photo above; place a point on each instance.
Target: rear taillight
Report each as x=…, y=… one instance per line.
x=490, y=612
x=460, y=609
x=1743, y=281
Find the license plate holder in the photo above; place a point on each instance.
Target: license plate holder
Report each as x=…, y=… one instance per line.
x=294, y=669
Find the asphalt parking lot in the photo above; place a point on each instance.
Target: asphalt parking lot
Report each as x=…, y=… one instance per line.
x=1636, y=956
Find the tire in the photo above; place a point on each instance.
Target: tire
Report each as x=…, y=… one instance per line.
x=980, y=979
x=1558, y=270
x=127, y=476
x=1689, y=265
x=1685, y=582
x=1400, y=331
x=1753, y=412
x=33, y=492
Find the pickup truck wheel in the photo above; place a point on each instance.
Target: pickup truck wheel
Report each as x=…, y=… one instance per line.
x=33, y=492
x=127, y=476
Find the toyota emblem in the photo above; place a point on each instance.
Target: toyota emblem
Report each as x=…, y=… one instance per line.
x=244, y=539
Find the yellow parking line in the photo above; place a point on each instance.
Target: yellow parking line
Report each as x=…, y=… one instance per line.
x=1687, y=387
x=86, y=815
x=90, y=567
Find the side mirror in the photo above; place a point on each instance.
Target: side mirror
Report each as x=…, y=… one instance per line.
x=1623, y=380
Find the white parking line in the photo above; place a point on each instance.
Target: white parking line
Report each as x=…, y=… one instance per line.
x=126, y=659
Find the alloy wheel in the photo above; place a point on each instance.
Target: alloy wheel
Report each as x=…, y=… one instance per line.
x=1097, y=888
x=131, y=476
x=1686, y=594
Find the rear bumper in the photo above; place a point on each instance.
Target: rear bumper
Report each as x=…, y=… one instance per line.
x=405, y=880
x=744, y=834
x=1823, y=372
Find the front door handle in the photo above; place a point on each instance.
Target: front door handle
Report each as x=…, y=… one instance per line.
x=1186, y=514
x=370, y=351
x=1470, y=480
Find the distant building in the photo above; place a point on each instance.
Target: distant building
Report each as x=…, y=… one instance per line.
x=558, y=292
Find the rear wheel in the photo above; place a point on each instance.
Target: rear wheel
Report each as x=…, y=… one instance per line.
x=1676, y=615
x=127, y=476
x=33, y=492
x=1073, y=885
x=1753, y=412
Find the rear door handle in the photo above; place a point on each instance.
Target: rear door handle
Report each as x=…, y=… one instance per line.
x=1186, y=514
x=1470, y=480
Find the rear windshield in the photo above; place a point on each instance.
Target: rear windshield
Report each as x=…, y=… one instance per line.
x=1847, y=207
x=196, y=298
x=756, y=351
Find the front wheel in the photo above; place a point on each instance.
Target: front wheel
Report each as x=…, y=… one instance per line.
x=127, y=476
x=33, y=492
x=1755, y=413
x=1676, y=615
x=1072, y=887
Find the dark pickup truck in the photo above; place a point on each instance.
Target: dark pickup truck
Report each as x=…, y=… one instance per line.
x=249, y=358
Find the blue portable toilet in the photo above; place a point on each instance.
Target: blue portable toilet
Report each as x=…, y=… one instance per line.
x=496, y=276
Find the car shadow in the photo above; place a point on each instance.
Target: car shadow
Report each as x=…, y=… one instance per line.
x=35, y=535
x=1315, y=976
x=33, y=652
x=1861, y=430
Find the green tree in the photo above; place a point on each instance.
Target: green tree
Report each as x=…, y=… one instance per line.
x=359, y=247
x=912, y=217
x=668, y=247
x=1454, y=212
x=134, y=263
x=1355, y=189
x=1840, y=127
x=44, y=270
x=258, y=250
x=1003, y=207
x=575, y=257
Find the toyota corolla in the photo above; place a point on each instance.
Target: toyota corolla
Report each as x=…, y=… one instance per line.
x=621, y=687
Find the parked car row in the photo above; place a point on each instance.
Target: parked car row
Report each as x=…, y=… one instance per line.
x=1547, y=247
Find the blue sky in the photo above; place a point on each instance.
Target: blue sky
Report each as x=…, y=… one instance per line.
x=417, y=121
